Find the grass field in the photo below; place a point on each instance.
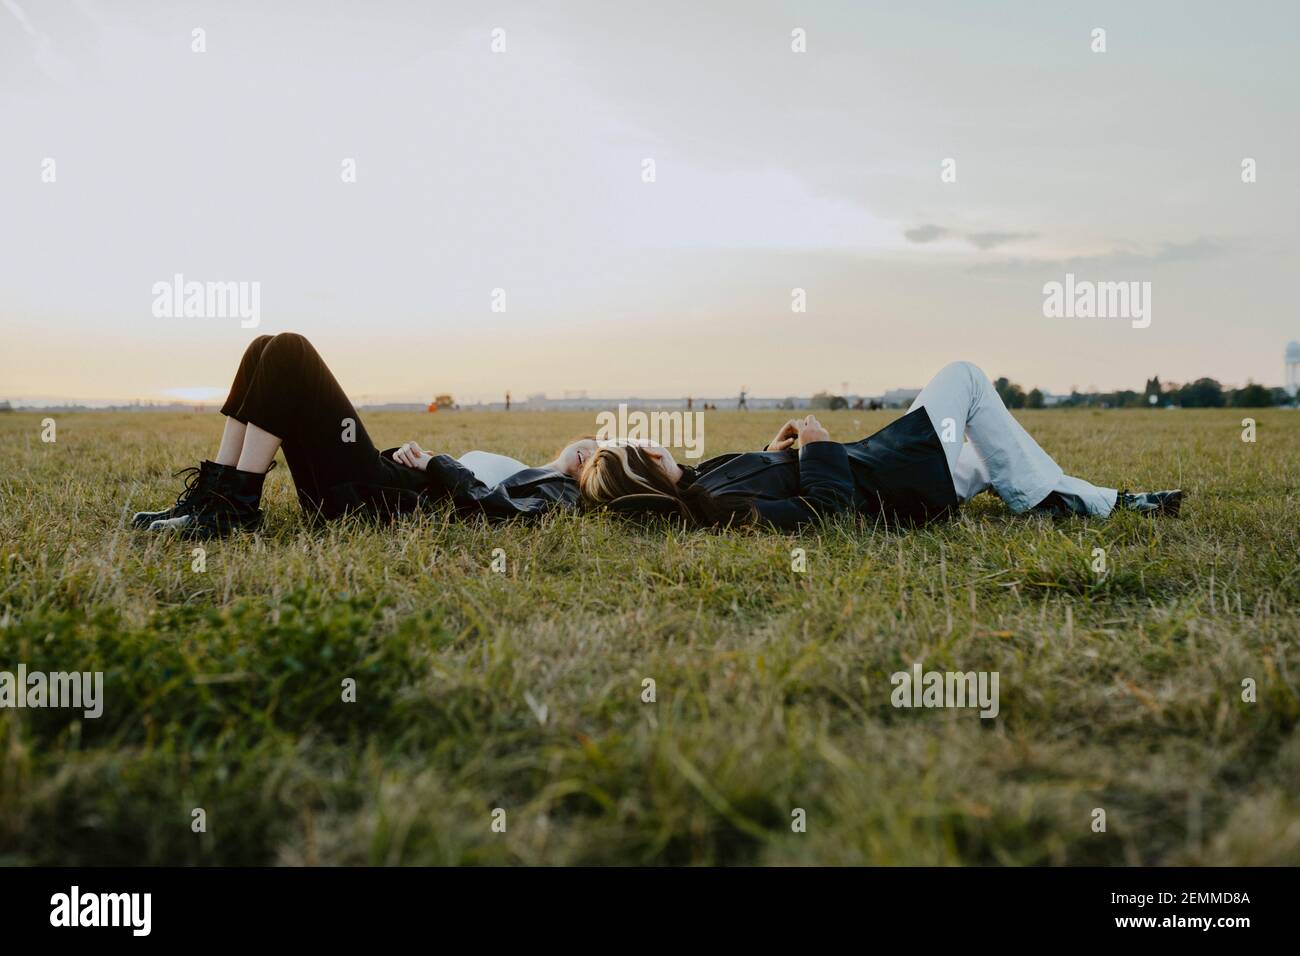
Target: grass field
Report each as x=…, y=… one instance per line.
x=523, y=690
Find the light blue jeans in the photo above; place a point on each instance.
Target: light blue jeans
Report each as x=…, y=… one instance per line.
x=988, y=449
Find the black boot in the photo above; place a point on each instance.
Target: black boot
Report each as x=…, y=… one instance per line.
x=231, y=506
x=199, y=483
x=1167, y=503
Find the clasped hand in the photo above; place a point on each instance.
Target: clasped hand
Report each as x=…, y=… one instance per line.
x=805, y=430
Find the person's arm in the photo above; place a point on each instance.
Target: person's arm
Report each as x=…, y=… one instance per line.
x=446, y=478
x=529, y=493
x=825, y=482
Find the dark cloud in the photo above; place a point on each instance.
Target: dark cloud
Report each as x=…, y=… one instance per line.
x=925, y=233
x=980, y=240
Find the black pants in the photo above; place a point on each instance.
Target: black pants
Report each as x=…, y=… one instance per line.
x=284, y=387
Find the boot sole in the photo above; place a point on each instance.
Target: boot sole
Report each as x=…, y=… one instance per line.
x=199, y=532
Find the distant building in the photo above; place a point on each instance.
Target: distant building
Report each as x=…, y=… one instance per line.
x=1292, y=368
x=899, y=397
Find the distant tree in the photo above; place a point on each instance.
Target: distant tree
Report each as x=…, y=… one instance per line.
x=1034, y=399
x=828, y=401
x=1013, y=396
x=1252, y=396
x=1152, y=388
x=1202, y=393
x=787, y=405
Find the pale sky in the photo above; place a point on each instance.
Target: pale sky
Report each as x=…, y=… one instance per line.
x=522, y=170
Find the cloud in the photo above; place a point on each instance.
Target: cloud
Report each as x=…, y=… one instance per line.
x=1180, y=251
x=980, y=240
x=990, y=240
x=925, y=233
x=1115, y=260
x=49, y=61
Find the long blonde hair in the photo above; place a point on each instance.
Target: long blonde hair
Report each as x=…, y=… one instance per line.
x=618, y=470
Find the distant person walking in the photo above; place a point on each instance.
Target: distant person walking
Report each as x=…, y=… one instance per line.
x=507, y=401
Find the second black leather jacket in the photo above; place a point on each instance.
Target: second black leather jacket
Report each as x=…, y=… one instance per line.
x=899, y=475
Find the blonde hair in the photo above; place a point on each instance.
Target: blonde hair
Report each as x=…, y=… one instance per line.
x=618, y=470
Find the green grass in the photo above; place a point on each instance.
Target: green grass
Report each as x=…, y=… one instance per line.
x=223, y=688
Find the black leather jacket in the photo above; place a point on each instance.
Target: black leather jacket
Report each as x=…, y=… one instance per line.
x=526, y=493
x=397, y=490
x=898, y=475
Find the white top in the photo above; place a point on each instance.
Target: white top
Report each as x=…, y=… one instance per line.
x=489, y=468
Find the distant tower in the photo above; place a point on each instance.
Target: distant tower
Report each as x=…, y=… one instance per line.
x=1292, y=368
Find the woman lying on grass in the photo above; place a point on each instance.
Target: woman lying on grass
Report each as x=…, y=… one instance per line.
x=914, y=470
x=285, y=396
x=957, y=440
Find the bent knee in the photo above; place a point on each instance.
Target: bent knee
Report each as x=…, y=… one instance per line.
x=288, y=343
x=290, y=339
x=964, y=368
x=257, y=347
